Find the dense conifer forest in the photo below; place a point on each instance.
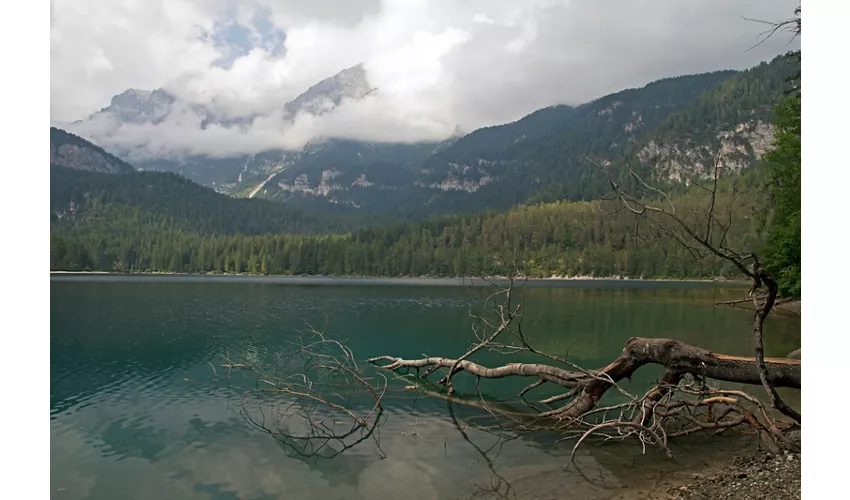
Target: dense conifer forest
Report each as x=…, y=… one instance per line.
x=162, y=222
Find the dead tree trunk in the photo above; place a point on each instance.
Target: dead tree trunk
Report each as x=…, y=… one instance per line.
x=679, y=358
x=589, y=387
x=707, y=236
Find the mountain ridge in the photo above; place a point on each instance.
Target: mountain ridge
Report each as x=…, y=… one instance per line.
x=542, y=156
x=71, y=151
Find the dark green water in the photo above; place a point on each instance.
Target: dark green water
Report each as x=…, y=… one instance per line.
x=136, y=412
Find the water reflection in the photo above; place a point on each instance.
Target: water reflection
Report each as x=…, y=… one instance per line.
x=137, y=412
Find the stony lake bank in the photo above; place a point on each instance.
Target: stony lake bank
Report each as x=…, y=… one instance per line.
x=757, y=476
x=761, y=476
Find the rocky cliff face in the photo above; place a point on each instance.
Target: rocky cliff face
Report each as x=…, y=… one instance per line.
x=324, y=96
x=70, y=151
x=687, y=159
x=140, y=106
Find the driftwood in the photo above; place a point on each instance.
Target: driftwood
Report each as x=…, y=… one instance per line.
x=779, y=301
x=680, y=404
x=680, y=358
x=648, y=417
x=677, y=357
x=706, y=236
x=303, y=399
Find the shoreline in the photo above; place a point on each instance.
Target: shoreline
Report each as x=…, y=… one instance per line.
x=756, y=475
x=578, y=278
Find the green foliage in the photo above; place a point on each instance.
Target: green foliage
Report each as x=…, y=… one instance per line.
x=748, y=95
x=538, y=165
x=542, y=157
x=684, y=114
x=783, y=165
x=163, y=201
x=560, y=238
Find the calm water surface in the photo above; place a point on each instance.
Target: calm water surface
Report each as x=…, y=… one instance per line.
x=136, y=412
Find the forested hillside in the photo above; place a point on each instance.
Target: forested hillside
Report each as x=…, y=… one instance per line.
x=783, y=176
x=733, y=117
x=157, y=201
x=549, y=147
x=670, y=129
x=542, y=166
x=562, y=238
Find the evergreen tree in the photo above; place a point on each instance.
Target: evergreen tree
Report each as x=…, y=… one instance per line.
x=783, y=187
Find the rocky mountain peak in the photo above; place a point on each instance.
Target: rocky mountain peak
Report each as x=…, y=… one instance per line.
x=350, y=83
x=138, y=106
x=153, y=106
x=130, y=96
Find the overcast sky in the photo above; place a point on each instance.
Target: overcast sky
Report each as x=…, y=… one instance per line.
x=437, y=63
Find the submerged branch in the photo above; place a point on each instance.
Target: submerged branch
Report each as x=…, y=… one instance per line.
x=588, y=388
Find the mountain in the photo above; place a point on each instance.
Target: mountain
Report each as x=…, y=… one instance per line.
x=349, y=83
x=135, y=106
x=139, y=106
x=553, y=239
x=670, y=129
x=73, y=152
x=92, y=199
x=667, y=130
x=107, y=216
x=371, y=176
x=233, y=174
x=541, y=157
x=732, y=120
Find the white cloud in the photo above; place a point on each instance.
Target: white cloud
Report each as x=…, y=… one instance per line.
x=436, y=63
x=100, y=48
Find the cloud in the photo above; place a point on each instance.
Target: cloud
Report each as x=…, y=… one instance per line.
x=436, y=63
x=98, y=49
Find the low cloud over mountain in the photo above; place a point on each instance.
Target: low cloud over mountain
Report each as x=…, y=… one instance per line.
x=222, y=78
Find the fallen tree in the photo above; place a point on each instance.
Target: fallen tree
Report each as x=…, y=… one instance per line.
x=677, y=357
x=705, y=233
x=589, y=402
x=683, y=401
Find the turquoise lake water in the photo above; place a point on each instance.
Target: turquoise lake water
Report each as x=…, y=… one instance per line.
x=137, y=412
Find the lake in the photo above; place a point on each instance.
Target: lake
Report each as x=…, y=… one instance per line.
x=137, y=411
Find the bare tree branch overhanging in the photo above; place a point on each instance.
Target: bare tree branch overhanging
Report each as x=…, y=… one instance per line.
x=318, y=401
x=680, y=404
x=315, y=399
x=789, y=25
x=652, y=205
